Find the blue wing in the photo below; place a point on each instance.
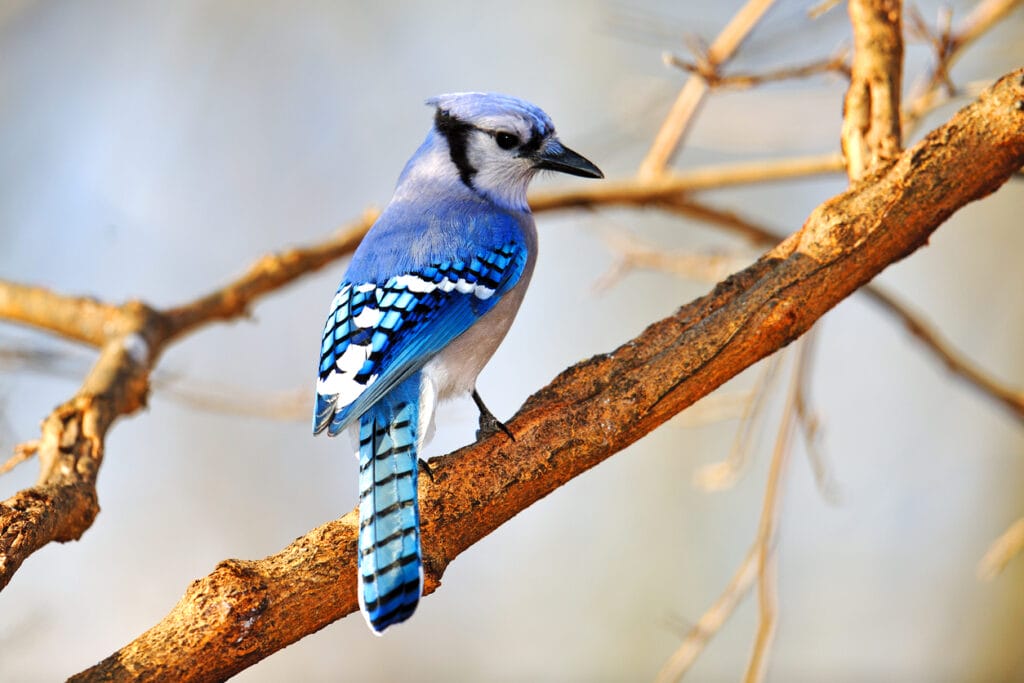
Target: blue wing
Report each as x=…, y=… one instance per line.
x=377, y=335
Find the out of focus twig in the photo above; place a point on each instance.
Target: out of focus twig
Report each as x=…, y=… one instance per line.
x=722, y=475
x=766, y=561
x=758, y=565
x=666, y=142
x=713, y=76
x=711, y=621
x=22, y=452
x=1002, y=550
x=948, y=44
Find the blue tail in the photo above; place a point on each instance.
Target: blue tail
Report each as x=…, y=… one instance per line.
x=390, y=562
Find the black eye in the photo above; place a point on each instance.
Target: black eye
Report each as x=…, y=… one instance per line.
x=506, y=140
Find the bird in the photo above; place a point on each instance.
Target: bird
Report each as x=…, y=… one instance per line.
x=428, y=296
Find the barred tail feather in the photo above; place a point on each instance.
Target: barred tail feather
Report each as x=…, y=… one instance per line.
x=390, y=561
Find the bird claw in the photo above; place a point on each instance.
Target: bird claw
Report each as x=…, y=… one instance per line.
x=488, y=423
x=423, y=467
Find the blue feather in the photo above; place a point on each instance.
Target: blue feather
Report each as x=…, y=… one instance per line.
x=412, y=326
x=390, y=563
x=409, y=323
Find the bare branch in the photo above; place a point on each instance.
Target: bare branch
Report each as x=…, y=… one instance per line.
x=711, y=622
x=637, y=192
x=22, y=452
x=79, y=318
x=667, y=141
x=871, y=120
x=1002, y=550
x=949, y=45
x=64, y=503
x=959, y=365
x=765, y=544
x=268, y=274
x=722, y=475
x=246, y=610
x=923, y=331
x=715, y=79
x=755, y=564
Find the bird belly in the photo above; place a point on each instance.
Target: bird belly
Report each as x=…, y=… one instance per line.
x=455, y=367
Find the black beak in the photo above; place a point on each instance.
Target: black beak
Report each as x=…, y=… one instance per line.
x=557, y=157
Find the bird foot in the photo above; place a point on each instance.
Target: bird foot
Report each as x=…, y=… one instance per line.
x=425, y=469
x=488, y=423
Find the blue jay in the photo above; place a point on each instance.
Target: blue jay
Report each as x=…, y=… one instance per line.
x=427, y=298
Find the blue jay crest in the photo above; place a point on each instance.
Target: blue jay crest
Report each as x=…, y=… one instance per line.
x=427, y=299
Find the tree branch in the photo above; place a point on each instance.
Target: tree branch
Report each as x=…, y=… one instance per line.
x=63, y=504
x=243, y=611
x=871, y=120
x=930, y=338
x=949, y=45
x=667, y=141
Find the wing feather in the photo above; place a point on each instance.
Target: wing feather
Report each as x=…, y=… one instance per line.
x=376, y=336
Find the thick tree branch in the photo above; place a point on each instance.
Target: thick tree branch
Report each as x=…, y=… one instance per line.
x=244, y=611
x=132, y=338
x=871, y=120
x=930, y=339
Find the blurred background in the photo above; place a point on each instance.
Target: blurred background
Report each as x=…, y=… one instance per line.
x=155, y=150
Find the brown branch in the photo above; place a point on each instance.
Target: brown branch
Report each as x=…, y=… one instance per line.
x=711, y=621
x=712, y=75
x=949, y=45
x=1009, y=544
x=669, y=137
x=940, y=349
x=22, y=452
x=954, y=361
x=266, y=275
x=871, y=117
x=640, y=192
x=78, y=318
x=64, y=503
x=243, y=611
x=765, y=543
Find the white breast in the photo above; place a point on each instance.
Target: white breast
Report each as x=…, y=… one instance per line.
x=454, y=369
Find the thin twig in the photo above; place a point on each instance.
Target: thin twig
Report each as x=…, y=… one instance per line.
x=639, y=192
x=1002, y=550
x=719, y=476
x=757, y=563
x=712, y=75
x=810, y=427
x=923, y=331
x=949, y=45
x=711, y=621
x=669, y=137
x=955, y=362
x=766, y=564
x=633, y=253
x=22, y=452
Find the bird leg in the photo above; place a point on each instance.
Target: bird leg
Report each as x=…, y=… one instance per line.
x=488, y=423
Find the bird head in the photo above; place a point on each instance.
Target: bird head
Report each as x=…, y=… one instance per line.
x=498, y=143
